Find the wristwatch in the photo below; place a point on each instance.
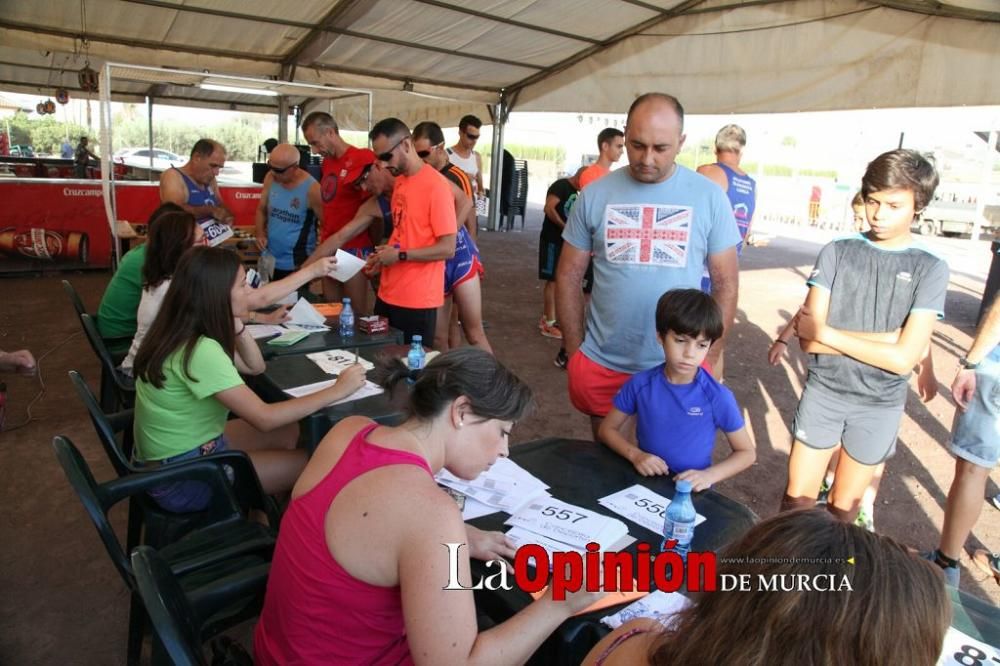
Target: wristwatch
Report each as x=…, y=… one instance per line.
x=964, y=362
x=402, y=255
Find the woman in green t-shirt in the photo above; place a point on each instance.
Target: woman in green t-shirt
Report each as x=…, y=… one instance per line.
x=188, y=380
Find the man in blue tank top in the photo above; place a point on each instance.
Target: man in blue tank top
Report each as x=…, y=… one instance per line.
x=193, y=186
x=290, y=210
x=734, y=181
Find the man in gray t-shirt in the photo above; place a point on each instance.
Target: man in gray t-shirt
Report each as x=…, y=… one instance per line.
x=651, y=227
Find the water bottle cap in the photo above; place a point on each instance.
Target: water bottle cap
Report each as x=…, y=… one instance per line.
x=683, y=486
x=417, y=338
x=347, y=301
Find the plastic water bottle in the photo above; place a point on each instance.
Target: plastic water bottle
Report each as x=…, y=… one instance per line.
x=415, y=357
x=678, y=521
x=347, y=320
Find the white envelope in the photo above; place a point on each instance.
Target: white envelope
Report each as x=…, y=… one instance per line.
x=347, y=266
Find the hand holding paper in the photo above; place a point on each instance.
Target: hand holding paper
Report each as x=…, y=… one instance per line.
x=346, y=267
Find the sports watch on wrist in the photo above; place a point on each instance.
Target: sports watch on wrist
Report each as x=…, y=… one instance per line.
x=965, y=363
x=402, y=255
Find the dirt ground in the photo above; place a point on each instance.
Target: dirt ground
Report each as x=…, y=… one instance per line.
x=61, y=601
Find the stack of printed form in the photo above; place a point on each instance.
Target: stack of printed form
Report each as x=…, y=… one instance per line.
x=558, y=526
x=505, y=486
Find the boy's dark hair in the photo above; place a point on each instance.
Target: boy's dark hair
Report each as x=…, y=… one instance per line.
x=689, y=312
x=902, y=169
x=608, y=135
x=390, y=128
x=466, y=121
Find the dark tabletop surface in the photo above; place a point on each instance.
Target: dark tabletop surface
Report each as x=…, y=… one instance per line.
x=331, y=339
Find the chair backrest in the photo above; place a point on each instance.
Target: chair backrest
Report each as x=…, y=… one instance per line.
x=519, y=196
x=172, y=616
x=95, y=501
x=74, y=298
x=97, y=343
x=118, y=454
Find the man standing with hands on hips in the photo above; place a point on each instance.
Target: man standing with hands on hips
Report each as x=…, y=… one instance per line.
x=411, y=264
x=651, y=227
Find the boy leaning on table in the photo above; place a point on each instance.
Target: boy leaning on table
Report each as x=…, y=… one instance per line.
x=678, y=405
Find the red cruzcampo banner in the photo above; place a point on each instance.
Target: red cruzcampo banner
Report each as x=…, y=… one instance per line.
x=58, y=224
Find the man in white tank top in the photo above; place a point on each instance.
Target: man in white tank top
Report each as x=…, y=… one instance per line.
x=463, y=154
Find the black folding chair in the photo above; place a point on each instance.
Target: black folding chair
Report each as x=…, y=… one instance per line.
x=117, y=390
x=225, y=560
x=178, y=618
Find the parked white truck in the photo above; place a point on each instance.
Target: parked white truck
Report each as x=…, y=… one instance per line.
x=954, y=218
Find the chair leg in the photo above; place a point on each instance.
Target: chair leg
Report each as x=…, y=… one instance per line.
x=136, y=629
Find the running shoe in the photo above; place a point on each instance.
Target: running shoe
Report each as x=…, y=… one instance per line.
x=542, y=321
x=824, y=492
x=995, y=500
x=552, y=331
x=866, y=518
x=561, y=359
x=988, y=562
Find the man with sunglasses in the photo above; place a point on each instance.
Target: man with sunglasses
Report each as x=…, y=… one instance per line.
x=289, y=212
x=411, y=288
x=342, y=165
x=463, y=154
x=193, y=185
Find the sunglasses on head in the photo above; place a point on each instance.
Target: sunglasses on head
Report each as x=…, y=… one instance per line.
x=424, y=154
x=280, y=169
x=387, y=155
x=472, y=137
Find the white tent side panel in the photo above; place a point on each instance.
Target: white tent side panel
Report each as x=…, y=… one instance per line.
x=812, y=55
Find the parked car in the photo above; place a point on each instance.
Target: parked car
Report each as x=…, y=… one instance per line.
x=21, y=151
x=138, y=158
x=947, y=218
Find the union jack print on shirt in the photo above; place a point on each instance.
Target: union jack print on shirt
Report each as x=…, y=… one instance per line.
x=651, y=234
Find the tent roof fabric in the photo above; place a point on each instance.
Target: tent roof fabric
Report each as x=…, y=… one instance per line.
x=442, y=58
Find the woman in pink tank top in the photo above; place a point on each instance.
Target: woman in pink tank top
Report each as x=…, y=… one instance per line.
x=893, y=608
x=360, y=568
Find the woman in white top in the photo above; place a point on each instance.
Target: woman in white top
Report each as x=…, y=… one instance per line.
x=169, y=238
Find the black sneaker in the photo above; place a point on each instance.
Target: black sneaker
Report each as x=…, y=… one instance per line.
x=561, y=359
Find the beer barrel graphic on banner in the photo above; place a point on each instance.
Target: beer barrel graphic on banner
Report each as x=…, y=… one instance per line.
x=44, y=244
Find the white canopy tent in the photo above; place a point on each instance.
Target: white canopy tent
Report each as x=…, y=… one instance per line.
x=440, y=59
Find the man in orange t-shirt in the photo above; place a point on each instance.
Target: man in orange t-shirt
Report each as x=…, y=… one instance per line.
x=423, y=236
x=610, y=143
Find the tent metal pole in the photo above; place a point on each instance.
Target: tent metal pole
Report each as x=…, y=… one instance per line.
x=984, y=185
x=496, y=164
x=282, y=119
x=149, y=112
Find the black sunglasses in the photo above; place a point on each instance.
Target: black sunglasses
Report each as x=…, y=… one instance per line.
x=387, y=155
x=473, y=137
x=424, y=154
x=282, y=169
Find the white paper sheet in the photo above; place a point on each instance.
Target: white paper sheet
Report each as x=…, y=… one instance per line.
x=958, y=643
x=641, y=505
x=568, y=523
x=258, y=331
x=367, y=390
x=335, y=361
x=658, y=605
x=505, y=485
x=474, y=509
x=304, y=317
x=347, y=266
